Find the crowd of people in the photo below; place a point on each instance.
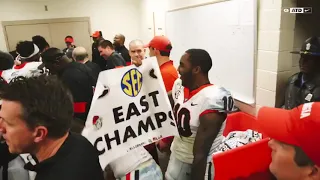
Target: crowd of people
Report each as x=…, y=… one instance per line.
x=46, y=95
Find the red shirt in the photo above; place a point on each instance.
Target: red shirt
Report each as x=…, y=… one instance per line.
x=169, y=75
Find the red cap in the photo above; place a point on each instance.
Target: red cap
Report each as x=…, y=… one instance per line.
x=160, y=43
x=299, y=127
x=68, y=40
x=96, y=34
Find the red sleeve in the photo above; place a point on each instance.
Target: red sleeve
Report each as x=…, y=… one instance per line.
x=168, y=140
x=207, y=112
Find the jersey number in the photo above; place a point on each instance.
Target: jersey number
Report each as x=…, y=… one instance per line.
x=183, y=117
x=228, y=103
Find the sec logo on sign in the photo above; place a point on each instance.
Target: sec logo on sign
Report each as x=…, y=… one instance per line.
x=131, y=82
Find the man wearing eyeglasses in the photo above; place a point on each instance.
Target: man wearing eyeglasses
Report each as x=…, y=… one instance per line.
x=304, y=86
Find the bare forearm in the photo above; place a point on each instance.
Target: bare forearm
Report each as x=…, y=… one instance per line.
x=108, y=173
x=208, y=130
x=199, y=166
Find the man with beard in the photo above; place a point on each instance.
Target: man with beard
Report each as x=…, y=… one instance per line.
x=200, y=109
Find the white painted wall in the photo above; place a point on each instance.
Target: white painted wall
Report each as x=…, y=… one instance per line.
x=109, y=16
x=268, y=78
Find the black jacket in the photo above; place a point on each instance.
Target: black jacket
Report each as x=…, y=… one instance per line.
x=80, y=81
x=298, y=93
x=96, y=58
x=76, y=159
x=5, y=158
x=115, y=60
x=123, y=51
x=95, y=68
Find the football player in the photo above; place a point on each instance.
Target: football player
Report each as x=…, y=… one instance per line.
x=29, y=56
x=200, y=109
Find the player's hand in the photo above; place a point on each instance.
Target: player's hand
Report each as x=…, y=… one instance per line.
x=162, y=146
x=137, y=62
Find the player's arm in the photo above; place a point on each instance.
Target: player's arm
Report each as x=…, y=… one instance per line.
x=171, y=99
x=208, y=130
x=108, y=173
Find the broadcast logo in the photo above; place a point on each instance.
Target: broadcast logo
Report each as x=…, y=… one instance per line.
x=131, y=82
x=298, y=10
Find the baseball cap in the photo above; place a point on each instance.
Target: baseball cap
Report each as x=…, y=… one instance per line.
x=68, y=40
x=96, y=34
x=299, y=127
x=160, y=43
x=310, y=47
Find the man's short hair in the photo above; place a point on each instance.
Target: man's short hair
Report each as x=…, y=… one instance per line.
x=6, y=61
x=200, y=57
x=25, y=48
x=68, y=37
x=136, y=42
x=53, y=55
x=80, y=54
x=106, y=43
x=301, y=159
x=45, y=102
x=166, y=53
x=41, y=42
x=122, y=37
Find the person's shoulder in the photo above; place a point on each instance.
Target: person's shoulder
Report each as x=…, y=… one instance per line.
x=294, y=77
x=75, y=69
x=214, y=92
x=81, y=141
x=117, y=55
x=81, y=146
x=125, y=49
x=91, y=64
x=169, y=70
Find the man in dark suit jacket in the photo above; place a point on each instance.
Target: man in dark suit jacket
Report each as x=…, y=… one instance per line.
x=96, y=58
x=120, y=48
x=80, y=55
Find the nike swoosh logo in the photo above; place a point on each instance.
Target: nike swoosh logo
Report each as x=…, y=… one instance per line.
x=192, y=104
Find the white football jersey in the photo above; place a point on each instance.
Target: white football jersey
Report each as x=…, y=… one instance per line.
x=188, y=107
x=26, y=69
